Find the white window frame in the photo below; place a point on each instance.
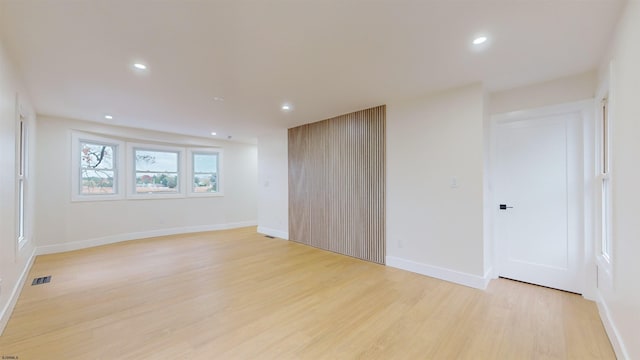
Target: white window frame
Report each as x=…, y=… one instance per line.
x=131, y=167
x=118, y=167
x=191, y=173
x=125, y=168
x=604, y=251
x=603, y=183
x=22, y=178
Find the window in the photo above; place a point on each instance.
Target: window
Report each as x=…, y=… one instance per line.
x=156, y=171
x=21, y=155
x=151, y=172
x=605, y=180
x=96, y=168
x=205, y=172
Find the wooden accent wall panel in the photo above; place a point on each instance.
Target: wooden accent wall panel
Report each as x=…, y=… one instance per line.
x=337, y=184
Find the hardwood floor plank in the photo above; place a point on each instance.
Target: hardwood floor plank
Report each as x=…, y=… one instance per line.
x=235, y=294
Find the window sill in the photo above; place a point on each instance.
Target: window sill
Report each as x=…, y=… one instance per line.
x=21, y=243
x=85, y=198
x=205, y=195
x=152, y=196
x=605, y=272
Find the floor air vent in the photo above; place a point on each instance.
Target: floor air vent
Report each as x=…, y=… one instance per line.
x=41, y=280
x=270, y=237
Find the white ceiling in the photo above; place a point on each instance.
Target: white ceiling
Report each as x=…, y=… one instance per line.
x=325, y=57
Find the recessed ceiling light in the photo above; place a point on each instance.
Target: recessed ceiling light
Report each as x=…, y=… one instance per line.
x=140, y=66
x=108, y=117
x=217, y=98
x=213, y=133
x=479, y=40
x=286, y=107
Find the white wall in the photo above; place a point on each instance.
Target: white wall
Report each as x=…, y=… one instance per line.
x=620, y=300
x=13, y=262
x=433, y=228
x=559, y=91
x=66, y=225
x=273, y=190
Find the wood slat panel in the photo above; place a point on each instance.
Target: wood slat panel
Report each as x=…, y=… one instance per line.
x=337, y=184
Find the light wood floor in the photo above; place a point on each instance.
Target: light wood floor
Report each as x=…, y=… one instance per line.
x=238, y=295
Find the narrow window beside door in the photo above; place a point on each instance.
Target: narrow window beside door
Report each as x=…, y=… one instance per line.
x=21, y=179
x=605, y=179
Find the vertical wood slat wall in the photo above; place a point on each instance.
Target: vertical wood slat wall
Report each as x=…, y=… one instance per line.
x=337, y=184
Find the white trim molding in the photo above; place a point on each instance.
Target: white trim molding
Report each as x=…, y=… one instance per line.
x=273, y=232
x=15, y=293
x=470, y=280
x=611, y=329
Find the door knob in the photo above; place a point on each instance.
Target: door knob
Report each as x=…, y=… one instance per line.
x=505, y=207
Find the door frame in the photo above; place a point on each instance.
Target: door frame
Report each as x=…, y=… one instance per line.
x=585, y=109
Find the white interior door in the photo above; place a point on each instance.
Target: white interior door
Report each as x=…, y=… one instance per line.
x=537, y=175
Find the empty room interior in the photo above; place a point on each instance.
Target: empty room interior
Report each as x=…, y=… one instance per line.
x=319, y=179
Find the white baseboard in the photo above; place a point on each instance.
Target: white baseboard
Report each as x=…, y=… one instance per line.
x=474, y=281
x=15, y=293
x=489, y=275
x=77, y=245
x=273, y=232
x=611, y=329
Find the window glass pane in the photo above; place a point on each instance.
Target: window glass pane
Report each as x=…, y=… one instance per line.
x=205, y=163
x=205, y=172
x=156, y=182
x=97, y=182
x=605, y=137
x=21, y=209
x=203, y=182
x=605, y=211
x=21, y=149
x=96, y=156
x=156, y=161
x=21, y=176
x=97, y=168
x=156, y=171
x=606, y=241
